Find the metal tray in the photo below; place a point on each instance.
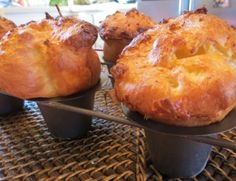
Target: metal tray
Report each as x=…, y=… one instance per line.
x=228, y=123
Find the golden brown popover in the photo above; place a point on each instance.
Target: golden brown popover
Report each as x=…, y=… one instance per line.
x=5, y=26
x=183, y=72
x=50, y=58
x=119, y=29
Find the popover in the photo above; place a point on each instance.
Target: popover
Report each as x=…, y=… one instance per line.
x=50, y=58
x=118, y=29
x=5, y=26
x=182, y=72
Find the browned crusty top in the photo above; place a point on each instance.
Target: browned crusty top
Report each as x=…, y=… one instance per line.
x=5, y=26
x=53, y=57
x=183, y=72
x=125, y=25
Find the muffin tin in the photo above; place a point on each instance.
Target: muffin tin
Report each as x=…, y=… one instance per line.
x=9, y=104
x=171, y=151
x=167, y=140
x=109, y=152
x=175, y=151
x=65, y=124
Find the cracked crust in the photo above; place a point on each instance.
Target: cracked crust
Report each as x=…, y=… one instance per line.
x=5, y=26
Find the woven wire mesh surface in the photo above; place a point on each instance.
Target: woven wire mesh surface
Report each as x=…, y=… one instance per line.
x=110, y=151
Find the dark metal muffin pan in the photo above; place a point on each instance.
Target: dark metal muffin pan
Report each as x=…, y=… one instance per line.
x=177, y=157
x=227, y=124
x=175, y=151
x=65, y=124
x=171, y=153
x=9, y=104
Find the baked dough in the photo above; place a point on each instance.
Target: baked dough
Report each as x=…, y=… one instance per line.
x=50, y=58
x=183, y=72
x=5, y=26
x=125, y=25
x=118, y=29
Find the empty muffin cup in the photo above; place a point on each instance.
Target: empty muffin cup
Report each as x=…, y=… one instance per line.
x=10, y=104
x=66, y=124
x=177, y=157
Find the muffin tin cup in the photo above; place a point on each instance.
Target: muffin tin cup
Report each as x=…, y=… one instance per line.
x=178, y=152
x=175, y=150
x=177, y=157
x=10, y=104
x=66, y=124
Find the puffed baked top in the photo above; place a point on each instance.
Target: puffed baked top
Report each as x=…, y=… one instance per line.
x=182, y=72
x=125, y=25
x=49, y=58
x=5, y=26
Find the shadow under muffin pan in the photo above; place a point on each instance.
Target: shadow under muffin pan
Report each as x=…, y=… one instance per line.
x=10, y=104
x=65, y=124
x=176, y=156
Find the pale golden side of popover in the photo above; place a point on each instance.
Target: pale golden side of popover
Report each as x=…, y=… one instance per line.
x=50, y=58
x=182, y=73
x=5, y=26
